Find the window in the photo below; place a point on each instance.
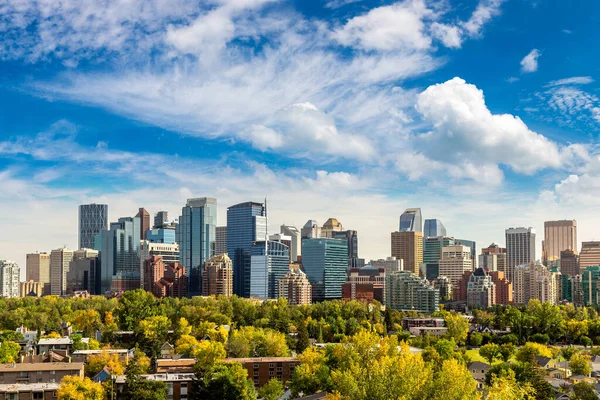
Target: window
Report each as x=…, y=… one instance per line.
x=11, y=396
x=52, y=372
x=271, y=373
x=38, y=396
x=255, y=373
x=256, y=381
x=256, y=366
x=184, y=389
x=271, y=365
x=279, y=369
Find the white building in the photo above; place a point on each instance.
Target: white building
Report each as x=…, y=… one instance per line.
x=454, y=262
x=9, y=278
x=390, y=264
x=60, y=261
x=535, y=281
x=311, y=230
x=296, y=240
x=520, y=248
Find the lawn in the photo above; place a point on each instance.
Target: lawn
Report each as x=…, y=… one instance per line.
x=473, y=354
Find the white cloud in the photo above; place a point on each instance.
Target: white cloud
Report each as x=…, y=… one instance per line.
x=340, y=3
x=449, y=35
x=530, y=62
x=575, y=80
x=485, y=11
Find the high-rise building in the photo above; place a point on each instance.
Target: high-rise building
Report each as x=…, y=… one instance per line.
x=296, y=246
x=168, y=251
x=558, y=236
x=221, y=240
x=330, y=226
x=144, y=217
x=430, y=271
x=390, y=264
x=295, y=287
x=161, y=219
x=246, y=224
x=408, y=246
x=433, y=228
x=493, y=258
x=31, y=288
x=481, y=290
x=37, y=269
x=459, y=290
x=119, y=250
x=196, y=236
x=93, y=218
x=411, y=221
x=535, y=281
x=352, y=238
x=311, y=230
x=569, y=262
x=520, y=249
x=471, y=245
x=267, y=269
x=493, y=249
x=325, y=263
x=217, y=276
x=84, y=268
x=162, y=280
x=454, y=262
x=406, y=291
x=432, y=247
x=60, y=260
x=10, y=275
x=162, y=235
x=443, y=284
x=589, y=285
x=504, y=287
x=366, y=284
x=589, y=255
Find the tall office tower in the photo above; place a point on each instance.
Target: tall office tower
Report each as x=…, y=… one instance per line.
x=196, y=235
x=311, y=230
x=411, y=221
x=590, y=255
x=504, y=287
x=295, y=288
x=481, y=290
x=493, y=258
x=352, y=238
x=330, y=226
x=60, y=260
x=406, y=291
x=433, y=228
x=119, y=250
x=432, y=247
x=471, y=245
x=454, y=262
x=520, y=248
x=162, y=235
x=590, y=276
x=390, y=264
x=161, y=219
x=267, y=269
x=365, y=284
x=296, y=247
x=83, y=270
x=10, y=275
x=144, y=217
x=558, y=236
x=408, y=246
x=37, y=269
x=569, y=262
x=246, y=224
x=325, y=263
x=217, y=276
x=221, y=240
x=93, y=218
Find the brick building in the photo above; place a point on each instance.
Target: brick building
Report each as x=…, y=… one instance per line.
x=38, y=372
x=164, y=280
x=262, y=369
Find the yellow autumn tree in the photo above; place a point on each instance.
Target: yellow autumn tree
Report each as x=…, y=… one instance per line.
x=505, y=387
x=76, y=388
x=104, y=359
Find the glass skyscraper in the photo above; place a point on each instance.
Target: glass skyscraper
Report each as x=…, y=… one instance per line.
x=246, y=224
x=433, y=228
x=325, y=263
x=352, y=238
x=196, y=235
x=265, y=271
x=411, y=220
x=93, y=218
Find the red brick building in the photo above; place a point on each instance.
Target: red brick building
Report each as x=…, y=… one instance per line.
x=262, y=369
x=504, y=287
x=366, y=284
x=164, y=280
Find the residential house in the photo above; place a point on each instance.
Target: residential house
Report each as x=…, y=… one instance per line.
x=478, y=371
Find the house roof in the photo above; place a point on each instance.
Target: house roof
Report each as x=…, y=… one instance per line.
x=31, y=367
x=260, y=359
x=28, y=387
x=54, y=342
x=478, y=365
x=542, y=361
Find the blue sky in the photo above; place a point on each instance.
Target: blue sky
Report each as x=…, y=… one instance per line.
x=485, y=113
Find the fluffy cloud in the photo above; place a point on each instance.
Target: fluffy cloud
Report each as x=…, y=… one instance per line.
x=485, y=11
x=530, y=62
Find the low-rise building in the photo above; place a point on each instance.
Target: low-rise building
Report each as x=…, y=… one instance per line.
x=27, y=391
x=172, y=366
x=366, y=283
x=478, y=371
x=31, y=288
x=46, y=344
x=38, y=372
x=408, y=323
x=178, y=385
x=262, y=369
x=83, y=355
x=427, y=330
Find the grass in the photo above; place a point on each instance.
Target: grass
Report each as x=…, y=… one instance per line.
x=473, y=354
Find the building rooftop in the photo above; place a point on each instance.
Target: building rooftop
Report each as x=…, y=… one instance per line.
x=119, y=351
x=28, y=387
x=260, y=359
x=31, y=367
x=54, y=342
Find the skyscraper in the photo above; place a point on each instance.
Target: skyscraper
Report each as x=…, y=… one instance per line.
x=471, y=245
x=569, y=262
x=93, y=218
x=144, y=217
x=352, y=238
x=9, y=279
x=217, y=276
x=60, y=260
x=433, y=228
x=37, y=269
x=295, y=287
x=432, y=247
x=558, y=236
x=161, y=219
x=520, y=248
x=246, y=224
x=221, y=240
x=267, y=269
x=590, y=255
x=493, y=258
x=196, y=235
x=325, y=263
x=311, y=230
x=411, y=221
x=454, y=262
x=296, y=247
x=330, y=226
x=83, y=270
x=408, y=246
x=481, y=290
x=406, y=291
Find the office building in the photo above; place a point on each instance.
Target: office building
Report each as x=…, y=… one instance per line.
x=411, y=221
x=408, y=246
x=296, y=245
x=365, y=284
x=504, y=287
x=432, y=247
x=471, y=245
x=196, y=237
x=164, y=280
x=168, y=251
x=295, y=287
x=569, y=262
x=433, y=228
x=481, y=290
x=119, y=249
x=37, y=269
x=493, y=249
x=246, y=224
x=351, y=237
x=430, y=271
x=330, y=226
x=93, y=218
x=217, y=276
x=520, y=249
x=267, y=269
x=311, y=230
x=31, y=288
x=162, y=235
x=454, y=262
x=558, y=236
x=60, y=260
x=161, y=219
x=589, y=285
x=443, y=284
x=144, y=217
x=325, y=263
x=406, y=291
x=84, y=268
x=221, y=240
x=10, y=275
x=390, y=264
x=589, y=255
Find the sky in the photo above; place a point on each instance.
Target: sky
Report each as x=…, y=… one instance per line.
x=484, y=113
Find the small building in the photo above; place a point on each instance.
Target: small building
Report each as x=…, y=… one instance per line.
x=262, y=369
x=172, y=366
x=408, y=323
x=178, y=385
x=46, y=344
x=38, y=372
x=26, y=391
x=83, y=355
x=427, y=330
x=478, y=371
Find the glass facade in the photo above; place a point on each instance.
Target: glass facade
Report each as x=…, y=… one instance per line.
x=161, y=236
x=432, y=248
x=265, y=271
x=589, y=285
x=325, y=263
x=196, y=235
x=351, y=238
x=433, y=228
x=411, y=220
x=246, y=224
x=93, y=218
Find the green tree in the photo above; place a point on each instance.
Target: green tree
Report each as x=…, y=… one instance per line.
x=135, y=306
x=76, y=388
x=458, y=327
x=313, y=374
x=583, y=391
x=154, y=331
x=475, y=339
x=138, y=388
x=272, y=390
x=506, y=387
x=490, y=352
x=445, y=348
x=9, y=352
x=568, y=352
x=11, y=336
x=302, y=339
x=223, y=382
x=453, y=381
x=580, y=364
x=507, y=350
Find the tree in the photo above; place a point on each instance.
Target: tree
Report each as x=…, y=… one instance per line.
x=475, y=339
x=540, y=338
x=507, y=350
x=584, y=391
x=135, y=306
x=12, y=336
x=223, y=382
x=529, y=351
x=9, y=352
x=76, y=388
x=458, y=327
x=489, y=351
x=454, y=381
x=580, y=364
x=272, y=390
x=182, y=327
x=138, y=388
x=506, y=387
x=568, y=352
x=302, y=339
x=86, y=321
x=445, y=348
x=154, y=331
x=97, y=362
x=312, y=375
